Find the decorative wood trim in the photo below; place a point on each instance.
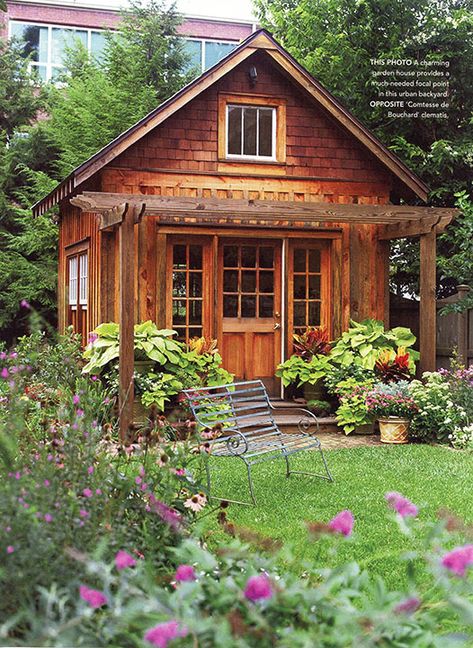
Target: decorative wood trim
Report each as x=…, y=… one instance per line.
x=250, y=233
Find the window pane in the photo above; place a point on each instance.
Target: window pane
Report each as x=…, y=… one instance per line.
x=299, y=260
x=230, y=256
x=299, y=314
x=230, y=306
x=230, y=280
x=97, y=43
x=193, y=49
x=248, y=257
x=63, y=39
x=178, y=312
x=314, y=287
x=248, y=306
x=195, y=332
x=249, y=126
x=35, y=40
x=266, y=283
x=234, y=130
x=195, y=312
x=179, y=256
x=195, y=284
x=195, y=257
x=214, y=52
x=265, y=132
x=40, y=71
x=266, y=257
x=314, y=314
x=248, y=281
x=314, y=260
x=266, y=306
x=299, y=287
x=178, y=284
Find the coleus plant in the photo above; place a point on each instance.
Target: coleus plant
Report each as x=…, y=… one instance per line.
x=314, y=341
x=392, y=366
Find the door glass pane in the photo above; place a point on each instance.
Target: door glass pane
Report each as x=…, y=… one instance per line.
x=299, y=286
x=230, y=306
x=195, y=331
x=248, y=257
x=299, y=314
x=230, y=256
x=179, y=256
x=248, y=306
x=314, y=260
x=314, y=287
x=314, y=314
x=299, y=260
x=248, y=281
x=178, y=284
x=266, y=282
x=249, y=128
x=195, y=311
x=195, y=284
x=234, y=130
x=266, y=255
x=265, y=142
x=266, y=308
x=178, y=312
x=195, y=257
x=230, y=281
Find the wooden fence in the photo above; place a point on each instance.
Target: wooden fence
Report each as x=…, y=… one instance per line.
x=454, y=331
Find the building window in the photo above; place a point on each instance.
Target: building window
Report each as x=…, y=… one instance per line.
x=205, y=53
x=78, y=280
x=187, y=290
x=251, y=128
x=47, y=45
x=251, y=132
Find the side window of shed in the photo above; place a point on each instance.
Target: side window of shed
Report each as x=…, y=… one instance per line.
x=251, y=132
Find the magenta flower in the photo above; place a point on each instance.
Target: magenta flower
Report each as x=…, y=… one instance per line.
x=458, y=560
x=10, y=549
x=258, y=588
x=25, y=304
x=161, y=634
x=90, y=470
x=46, y=483
x=87, y=492
x=98, y=491
x=166, y=513
x=402, y=506
x=76, y=399
x=79, y=413
x=48, y=517
x=185, y=573
x=94, y=598
x=84, y=514
x=124, y=560
x=343, y=523
x=4, y=372
x=408, y=606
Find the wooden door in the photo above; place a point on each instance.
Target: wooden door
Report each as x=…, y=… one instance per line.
x=249, y=308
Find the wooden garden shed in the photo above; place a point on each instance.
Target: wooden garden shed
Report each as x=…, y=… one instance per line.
x=247, y=206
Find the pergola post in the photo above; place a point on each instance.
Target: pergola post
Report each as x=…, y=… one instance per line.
x=428, y=303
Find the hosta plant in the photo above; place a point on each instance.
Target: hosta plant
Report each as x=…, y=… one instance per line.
x=297, y=371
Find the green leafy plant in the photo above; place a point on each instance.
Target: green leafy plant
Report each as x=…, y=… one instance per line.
x=150, y=343
x=353, y=411
x=319, y=407
x=296, y=370
x=162, y=387
x=365, y=341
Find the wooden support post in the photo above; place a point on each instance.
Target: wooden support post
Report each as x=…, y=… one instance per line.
x=462, y=319
x=428, y=306
x=126, y=320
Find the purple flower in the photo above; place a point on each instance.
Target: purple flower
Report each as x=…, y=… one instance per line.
x=90, y=470
x=94, y=598
x=25, y=304
x=160, y=635
x=48, y=517
x=402, y=506
x=79, y=413
x=10, y=549
x=408, y=606
x=98, y=491
x=4, y=372
x=458, y=559
x=46, y=483
x=87, y=492
x=258, y=588
x=184, y=573
x=84, y=514
x=124, y=560
x=76, y=399
x=343, y=523
x=167, y=514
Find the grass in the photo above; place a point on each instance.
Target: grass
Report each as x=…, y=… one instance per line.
x=432, y=477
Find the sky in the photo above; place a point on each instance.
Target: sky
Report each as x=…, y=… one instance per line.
x=237, y=9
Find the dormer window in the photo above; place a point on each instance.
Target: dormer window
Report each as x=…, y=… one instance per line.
x=251, y=129
x=251, y=132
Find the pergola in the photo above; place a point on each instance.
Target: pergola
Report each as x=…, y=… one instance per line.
x=123, y=211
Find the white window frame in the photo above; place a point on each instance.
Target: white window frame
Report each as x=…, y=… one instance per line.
x=72, y=263
x=83, y=279
x=50, y=26
x=203, y=51
x=242, y=156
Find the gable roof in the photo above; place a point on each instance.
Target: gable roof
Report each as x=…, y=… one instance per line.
x=258, y=41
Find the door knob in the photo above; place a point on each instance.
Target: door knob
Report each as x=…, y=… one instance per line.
x=277, y=326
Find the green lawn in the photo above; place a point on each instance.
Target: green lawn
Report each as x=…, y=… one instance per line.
x=432, y=477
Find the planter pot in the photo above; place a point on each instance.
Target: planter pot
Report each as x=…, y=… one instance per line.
x=367, y=428
x=394, y=429
x=314, y=392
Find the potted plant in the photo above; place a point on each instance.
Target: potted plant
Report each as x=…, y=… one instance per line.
x=309, y=363
x=353, y=414
x=393, y=406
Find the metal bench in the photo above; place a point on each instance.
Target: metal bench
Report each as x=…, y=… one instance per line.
x=237, y=421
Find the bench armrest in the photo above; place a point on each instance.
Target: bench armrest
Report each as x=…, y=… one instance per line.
x=235, y=441
x=307, y=420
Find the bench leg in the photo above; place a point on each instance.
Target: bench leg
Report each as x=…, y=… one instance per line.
x=327, y=475
x=250, y=483
x=227, y=499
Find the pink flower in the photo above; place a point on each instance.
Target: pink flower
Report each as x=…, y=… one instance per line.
x=343, y=523
x=163, y=633
x=196, y=503
x=87, y=492
x=76, y=399
x=4, y=372
x=90, y=470
x=48, y=517
x=180, y=472
x=258, y=588
x=184, y=573
x=94, y=598
x=25, y=304
x=138, y=480
x=46, y=482
x=408, y=606
x=124, y=560
x=79, y=413
x=459, y=559
x=98, y=491
x=10, y=549
x=84, y=514
x=167, y=514
x=403, y=506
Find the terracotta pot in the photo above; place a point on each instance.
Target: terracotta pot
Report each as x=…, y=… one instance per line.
x=367, y=428
x=314, y=392
x=394, y=429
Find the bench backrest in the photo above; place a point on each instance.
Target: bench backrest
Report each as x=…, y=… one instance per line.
x=242, y=406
